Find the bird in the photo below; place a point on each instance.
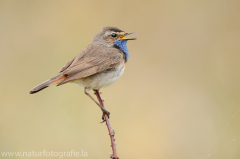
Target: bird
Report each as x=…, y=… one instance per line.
x=97, y=66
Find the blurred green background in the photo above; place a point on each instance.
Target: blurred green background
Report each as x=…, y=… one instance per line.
x=179, y=90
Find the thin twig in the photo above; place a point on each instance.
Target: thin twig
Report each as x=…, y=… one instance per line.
x=110, y=130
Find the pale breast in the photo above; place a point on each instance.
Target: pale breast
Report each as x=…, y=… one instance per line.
x=102, y=79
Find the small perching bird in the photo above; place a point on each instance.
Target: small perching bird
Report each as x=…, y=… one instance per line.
x=99, y=65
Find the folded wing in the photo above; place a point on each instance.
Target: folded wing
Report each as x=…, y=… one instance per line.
x=91, y=60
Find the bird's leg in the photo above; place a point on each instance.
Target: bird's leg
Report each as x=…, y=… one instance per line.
x=97, y=93
x=100, y=105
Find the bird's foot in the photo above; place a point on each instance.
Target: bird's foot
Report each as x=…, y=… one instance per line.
x=105, y=112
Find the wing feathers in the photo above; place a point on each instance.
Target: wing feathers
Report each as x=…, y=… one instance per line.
x=91, y=60
x=79, y=75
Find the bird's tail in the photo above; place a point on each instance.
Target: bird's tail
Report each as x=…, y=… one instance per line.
x=54, y=80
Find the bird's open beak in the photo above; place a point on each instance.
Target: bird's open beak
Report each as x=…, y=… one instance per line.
x=126, y=34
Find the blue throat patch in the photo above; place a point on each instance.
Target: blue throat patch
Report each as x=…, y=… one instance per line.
x=122, y=44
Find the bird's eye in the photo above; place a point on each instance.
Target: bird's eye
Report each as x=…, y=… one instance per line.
x=113, y=35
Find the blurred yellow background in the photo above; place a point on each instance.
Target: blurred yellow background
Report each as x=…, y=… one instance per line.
x=179, y=90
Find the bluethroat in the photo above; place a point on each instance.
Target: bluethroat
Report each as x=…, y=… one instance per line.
x=99, y=65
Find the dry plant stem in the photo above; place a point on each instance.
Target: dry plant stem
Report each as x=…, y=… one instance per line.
x=110, y=130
